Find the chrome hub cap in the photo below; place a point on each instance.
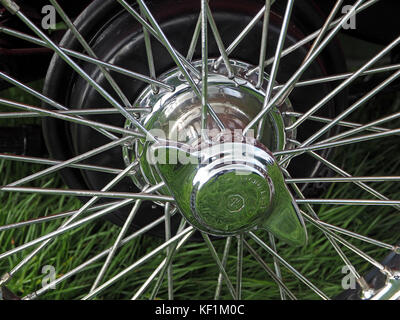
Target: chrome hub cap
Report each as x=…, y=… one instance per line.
x=224, y=182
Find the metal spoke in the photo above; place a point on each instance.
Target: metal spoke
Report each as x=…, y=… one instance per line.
x=155, y=32
x=85, y=207
x=295, y=77
x=361, y=281
x=224, y=260
x=170, y=253
x=298, y=275
x=275, y=65
x=89, y=59
x=13, y=157
x=89, y=193
x=353, y=202
x=362, y=128
x=174, y=56
x=348, y=81
x=340, y=123
x=243, y=34
x=204, y=68
x=83, y=74
x=344, y=179
x=63, y=230
x=347, y=244
x=315, y=34
x=219, y=264
x=89, y=50
x=264, y=42
x=120, y=236
x=49, y=101
x=51, y=217
x=149, y=54
x=80, y=112
x=271, y=273
x=276, y=264
x=342, y=76
x=65, y=117
x=162, y=267
x=359, y=236
x=218, y=40
x=317, y=40
x=337, y=143
x=239, y=266
x=64, y=164
x=138, y=263
x=345, y=174
x=96, y=258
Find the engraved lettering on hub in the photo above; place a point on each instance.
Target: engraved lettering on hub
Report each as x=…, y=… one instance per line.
x=235, y=203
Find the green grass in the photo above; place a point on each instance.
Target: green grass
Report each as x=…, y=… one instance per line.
x=194, y=271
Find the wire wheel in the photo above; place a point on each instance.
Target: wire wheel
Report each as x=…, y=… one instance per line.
x=144, y=111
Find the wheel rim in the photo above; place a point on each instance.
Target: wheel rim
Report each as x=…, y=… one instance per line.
x=197, y=76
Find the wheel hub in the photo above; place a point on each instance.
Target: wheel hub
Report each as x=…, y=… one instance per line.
x=230, y=183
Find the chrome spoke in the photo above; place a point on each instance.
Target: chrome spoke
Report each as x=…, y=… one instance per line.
x=51, y=217
x=339, y=123
x=276, y=264
x=353, y=202
x=89, y=50
x=275, y=65
x=344, y=179
x=298, y=275
x=170, y=253
x=339, y=143
x=224, y=260
x=65, y=229
x=360, y=280
x=13, y=157
x=96, y=258
x=46, y=100
x=347, y=244
x=85, y=207
x=239, y=266
x=68, y=118
x=175, y=56
x=89, y=193
x=149, y=54
x=349, y=80
x=362, y=128
x=342, y=76
x=315, y=34
x=138, y=263
x=317, y=40
x=66, y=163
x=295, y=77
x=89, y=59
x=219, y=264
x=120, y=236
x=218, y=40
x=204, y=68
x=243, y=34
x=80, y=112
x=271, y=273
x=264, y=42
x=83, y=74
x=157, y=33
x=162, y=267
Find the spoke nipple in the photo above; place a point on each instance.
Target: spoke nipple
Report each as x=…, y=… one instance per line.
x=4, y=279
x=10, y=6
